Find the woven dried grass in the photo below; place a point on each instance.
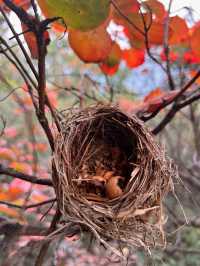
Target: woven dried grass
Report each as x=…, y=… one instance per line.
x=100, y=144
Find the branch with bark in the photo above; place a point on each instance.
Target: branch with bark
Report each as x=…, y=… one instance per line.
x=29, y=178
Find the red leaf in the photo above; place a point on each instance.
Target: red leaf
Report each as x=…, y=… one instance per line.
x=179, y=30
x=190, y=58
x=91, y=46
x=136, y=33
x=133, y=57
x=192, y=74
x=129, y=106
x=195, y=40
x=109, y=70
x=114, y=56
x=154, y=94
x=126, y=7
x=111, y=64
x=172, y=56
x=25, y=4
x=157, y=97
x=156, y=7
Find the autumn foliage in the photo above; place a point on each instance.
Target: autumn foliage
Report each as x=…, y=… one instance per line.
x=142, y=23
x=114, y=38
x=144, y=26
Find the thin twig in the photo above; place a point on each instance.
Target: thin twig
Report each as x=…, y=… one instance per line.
x=45, y=246
x=178, y=95
x=125, y=17
x=172, y=112
x=12, y=6
x=29, y=178
x=18, y=62
x=167, y=49
x=27, y=206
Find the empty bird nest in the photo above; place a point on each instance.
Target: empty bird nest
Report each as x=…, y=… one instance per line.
x=112, y=177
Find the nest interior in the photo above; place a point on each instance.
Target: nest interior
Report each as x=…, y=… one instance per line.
x=112, y=176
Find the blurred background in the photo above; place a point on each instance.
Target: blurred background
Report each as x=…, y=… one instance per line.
x=139, y=84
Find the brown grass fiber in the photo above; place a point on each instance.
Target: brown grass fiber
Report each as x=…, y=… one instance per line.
x=112, y=176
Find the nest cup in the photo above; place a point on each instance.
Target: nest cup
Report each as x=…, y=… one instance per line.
x=112, y=176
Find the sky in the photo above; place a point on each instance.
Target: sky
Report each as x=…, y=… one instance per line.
x=177, y=5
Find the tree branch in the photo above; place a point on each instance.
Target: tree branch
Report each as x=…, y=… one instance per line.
x=27, y=206
x=45, y=246
x=172, y=112
x=17, y=36
x=38, y=28
x=25, y=177
x=167, y=49
x=176, y=98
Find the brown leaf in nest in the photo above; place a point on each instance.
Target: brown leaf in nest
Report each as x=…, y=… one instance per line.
x=98, y=178
x=113, y=189
x=108, y=175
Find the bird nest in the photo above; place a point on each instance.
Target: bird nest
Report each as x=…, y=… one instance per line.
x=112, y=177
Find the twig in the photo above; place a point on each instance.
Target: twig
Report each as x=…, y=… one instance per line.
x=25, y=177
x=172, y=112
x=27, y=206
x=10, y=93
x=4, y=125
x=45, y=246
x=34, y=6
x=146, y=40
x=126, y=18
x=167, y=49
x=178, y=95
x=14, y=7
x=38, y=29
x=17, y=61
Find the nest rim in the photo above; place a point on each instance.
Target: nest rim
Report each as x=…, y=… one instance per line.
x=125, y=218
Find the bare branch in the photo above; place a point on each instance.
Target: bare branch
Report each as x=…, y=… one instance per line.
x=45, y=246
x=16, y=62
x=10, y=93
x=27, y=206
x=10, y=4
x=25, y=177
x=172, y=112
x=4, y=125
x=176, y=98
x=167, y=49
x=126, y=18
x=38, y=28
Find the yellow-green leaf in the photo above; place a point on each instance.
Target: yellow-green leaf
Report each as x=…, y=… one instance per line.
x=78, y=14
